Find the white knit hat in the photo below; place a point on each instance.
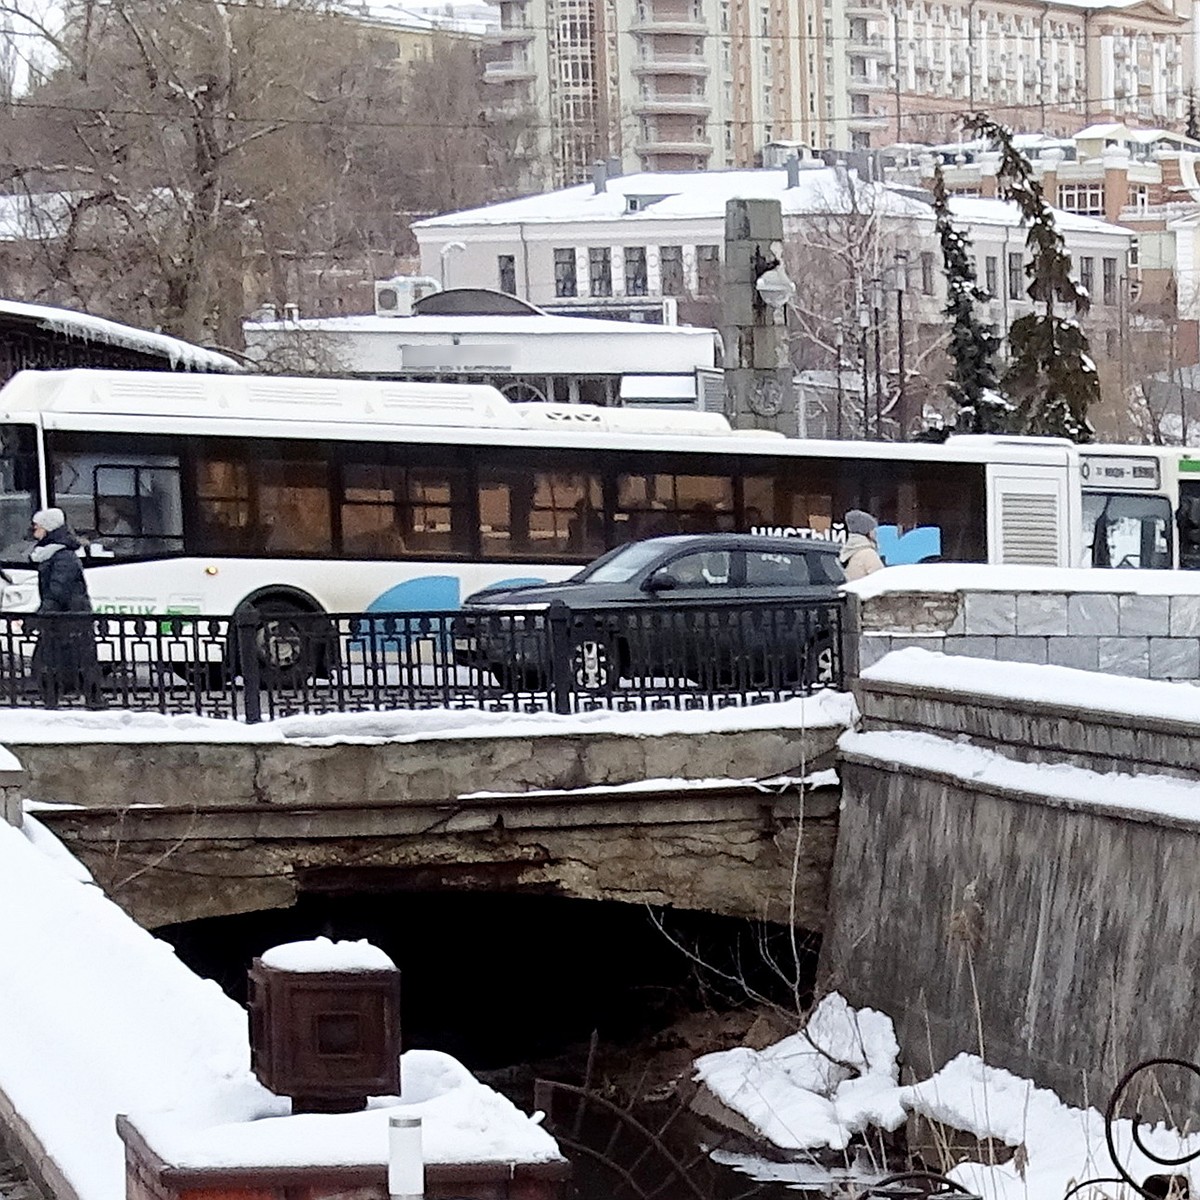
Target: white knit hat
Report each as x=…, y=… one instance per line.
x=49, y=519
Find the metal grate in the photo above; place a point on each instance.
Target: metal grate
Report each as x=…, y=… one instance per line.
x=1029, y=528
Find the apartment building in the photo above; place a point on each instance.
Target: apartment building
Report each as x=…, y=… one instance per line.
x=1144, y=180
x=666, y=85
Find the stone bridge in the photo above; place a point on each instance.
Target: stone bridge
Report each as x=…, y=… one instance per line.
x=697, y=811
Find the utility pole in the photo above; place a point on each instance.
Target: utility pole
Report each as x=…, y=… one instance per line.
x=877, y=321
x=896, y=45
x=840, y=364
x=901, y=286
x=864, y=323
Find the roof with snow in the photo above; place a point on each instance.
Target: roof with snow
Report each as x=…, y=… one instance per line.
x=445, y=326
x=658, y=195
x=983, y=211
x=86, y=328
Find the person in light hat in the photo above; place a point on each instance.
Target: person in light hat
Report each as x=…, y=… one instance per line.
x=64, y=659
x=860, y=555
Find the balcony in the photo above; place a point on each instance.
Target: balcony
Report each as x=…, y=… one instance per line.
x=864, y=8
x=669, y=62
x=653, y=143
x=515, y=70
x=515, y=33
x=865, y=122
x=666, y=23
x=660, y=103
x=872, y=45
x=866, y=83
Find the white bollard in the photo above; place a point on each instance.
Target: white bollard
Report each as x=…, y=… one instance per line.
x=406, y=1162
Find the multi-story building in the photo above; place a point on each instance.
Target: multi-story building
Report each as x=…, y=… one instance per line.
x=1145, y=180
x=683, y=84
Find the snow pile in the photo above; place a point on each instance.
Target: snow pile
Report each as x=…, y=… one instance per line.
x=100, y=1018
x=32, y=727
x=818, y=1087
x=322, y=955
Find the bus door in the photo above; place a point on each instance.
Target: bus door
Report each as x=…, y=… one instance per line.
x=1188, y=518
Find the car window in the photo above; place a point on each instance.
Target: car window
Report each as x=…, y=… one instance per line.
x=711, y=568
x=777, y=570
x=622, y=566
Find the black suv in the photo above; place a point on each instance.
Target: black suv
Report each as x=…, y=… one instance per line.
x=723, y=610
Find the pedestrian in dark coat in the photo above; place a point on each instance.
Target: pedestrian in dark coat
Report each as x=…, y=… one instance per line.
x=64, y=659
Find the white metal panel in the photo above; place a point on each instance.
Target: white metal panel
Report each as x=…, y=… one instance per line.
x=1030, y=516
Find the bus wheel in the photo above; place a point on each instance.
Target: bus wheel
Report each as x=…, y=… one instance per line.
x=287, y=641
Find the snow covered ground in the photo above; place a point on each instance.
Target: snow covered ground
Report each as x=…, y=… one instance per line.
x=100, y=1018
x=22, y=726
x=839, y=1077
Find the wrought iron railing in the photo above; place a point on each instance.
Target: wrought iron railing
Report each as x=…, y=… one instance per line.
x=258, y=665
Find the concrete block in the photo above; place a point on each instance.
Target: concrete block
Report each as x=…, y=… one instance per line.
x=1081, y=652
x=971, y=647
x=991, y=614
x=1125, y=656
x=1021, y=649
x=1143, y=616
x=1174, y=658
x=871, y=648
x=1185, y=616
x=933, y=642
x=1041, y=613
x=1092, y=616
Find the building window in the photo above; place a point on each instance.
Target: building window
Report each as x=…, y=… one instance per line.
x=991, y=275
x=564, y=273
x=1086, y=199
x=1016, y=277
x=927, y=273
x=1087, y=273
x=506, y=265
x=708, y=270
x=600, y=271
x=670, y=260
x=1110, y=280
x=635, y=271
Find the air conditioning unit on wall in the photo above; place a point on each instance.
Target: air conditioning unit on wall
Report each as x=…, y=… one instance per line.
x=396, y=297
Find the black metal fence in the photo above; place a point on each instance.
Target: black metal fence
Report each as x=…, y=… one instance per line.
x=256, y=666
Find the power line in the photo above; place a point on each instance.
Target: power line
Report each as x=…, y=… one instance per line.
x=495, y=126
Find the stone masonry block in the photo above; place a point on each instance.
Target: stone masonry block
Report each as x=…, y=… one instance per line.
x=871, y=648
x=1174, y=658
x=1092, y=616
x=1081, y=652
x=1125, y=656
x=1185, y=616
x=971, y=647
x=1041, y=613
x=1021, y=649
x=991, y=613
x=1144, y=616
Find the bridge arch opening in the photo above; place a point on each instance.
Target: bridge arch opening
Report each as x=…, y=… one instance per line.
x=510, y=980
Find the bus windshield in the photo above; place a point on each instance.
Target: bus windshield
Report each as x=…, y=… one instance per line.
x=1120, y=530
x=18, y=489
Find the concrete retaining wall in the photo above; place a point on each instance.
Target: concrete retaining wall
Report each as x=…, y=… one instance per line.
x=1061, y=938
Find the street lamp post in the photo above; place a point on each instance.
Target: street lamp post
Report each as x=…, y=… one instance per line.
x=864, y=323
x=901, y=394
x=877, y=320
x=838, y=342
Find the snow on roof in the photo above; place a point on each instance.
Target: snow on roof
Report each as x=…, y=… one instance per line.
x=96, y=329
x=451, y=325
x=683, y=194
x=154, y=1038
x=27, y=726
x=985, y=211
x=321, y=955
x=452, y=16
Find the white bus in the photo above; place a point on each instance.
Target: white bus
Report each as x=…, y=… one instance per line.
x=207, y=493
x=1141, y=506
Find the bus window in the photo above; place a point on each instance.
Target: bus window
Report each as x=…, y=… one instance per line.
x=18, y=488
x=1189, y=526
x=542, y=514
x=390, y=511
x=653, y=504
x=1120, y=530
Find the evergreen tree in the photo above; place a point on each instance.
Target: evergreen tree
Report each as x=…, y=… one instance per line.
x=1192, y=128
x=1050, y=378
x=972, y=383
